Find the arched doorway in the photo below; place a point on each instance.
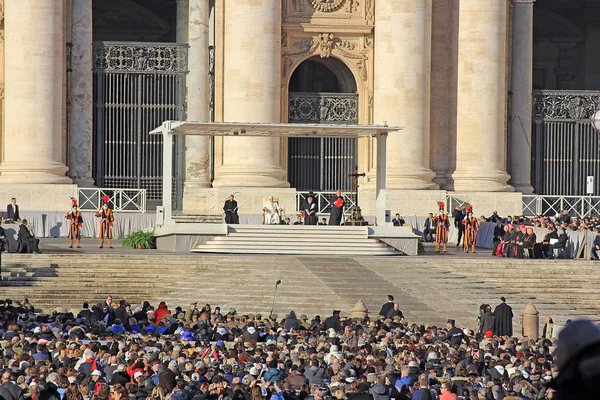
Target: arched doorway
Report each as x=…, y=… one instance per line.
x=322, y=91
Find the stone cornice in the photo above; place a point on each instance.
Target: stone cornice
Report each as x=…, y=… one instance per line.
x=358, y=29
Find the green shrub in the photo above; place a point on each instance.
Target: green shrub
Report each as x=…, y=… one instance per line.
x=140, y=239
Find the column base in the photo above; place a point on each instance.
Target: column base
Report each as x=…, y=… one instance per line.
x=39, y=197
x=250, y=177
x=84, y=183
x=440, y=178
x=523, y=188
x=30, y=173
x=413, y=179
x=490, y=182
x=209, y=201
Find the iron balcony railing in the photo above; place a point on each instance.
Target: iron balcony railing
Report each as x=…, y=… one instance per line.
x=121, y=200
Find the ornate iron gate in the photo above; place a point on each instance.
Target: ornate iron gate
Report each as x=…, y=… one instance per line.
x=137, y=86
x=566, y=146
x=322, y=164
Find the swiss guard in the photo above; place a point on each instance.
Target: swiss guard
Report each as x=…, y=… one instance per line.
x=441, y=229
x=75, y=223
x=106, y=222
x=471, y=228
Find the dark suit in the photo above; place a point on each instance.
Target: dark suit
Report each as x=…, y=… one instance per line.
x=12, y=214
x=398, y=221
x=429, y=229
x=545, y=247
x=4, y=246
x=28, y=239
x=596, y=247
x=459, y=216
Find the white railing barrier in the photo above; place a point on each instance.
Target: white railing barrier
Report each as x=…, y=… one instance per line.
x=121, y=200
x=577, y=206
x=325, y=201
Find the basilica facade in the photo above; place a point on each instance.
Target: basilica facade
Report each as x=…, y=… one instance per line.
x=84, y=81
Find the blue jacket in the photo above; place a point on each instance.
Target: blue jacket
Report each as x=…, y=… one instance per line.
x=403, y=381
x=273, y=375
x=417, y=395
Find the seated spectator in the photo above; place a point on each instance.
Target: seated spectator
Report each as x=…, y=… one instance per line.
x=398, y=220
x=28, y=239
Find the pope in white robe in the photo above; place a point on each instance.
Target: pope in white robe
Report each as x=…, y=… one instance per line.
x=272, y=212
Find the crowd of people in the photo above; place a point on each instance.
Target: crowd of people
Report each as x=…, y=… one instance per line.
x=113, y=351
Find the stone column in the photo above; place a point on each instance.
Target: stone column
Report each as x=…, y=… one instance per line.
x=183, y=20
x=35, y=60
x=522, y=86
x=81, y=115
x=252, y=93
x=197, y=148
x=402, y=89
x=481, y=105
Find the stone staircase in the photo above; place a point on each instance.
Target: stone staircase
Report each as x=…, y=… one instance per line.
x=429, y=289
x=298, y=240
x=456, y=287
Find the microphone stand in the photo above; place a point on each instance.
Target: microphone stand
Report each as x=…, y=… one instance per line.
x=274, y=296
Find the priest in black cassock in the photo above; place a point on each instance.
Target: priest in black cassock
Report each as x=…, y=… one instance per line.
x=310, y=212
x=337, y=209
x=231, y=211
x=503, y=316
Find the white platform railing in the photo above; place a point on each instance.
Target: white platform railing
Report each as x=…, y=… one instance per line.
x=325, y=201
x=577, y=206
x=121, y=200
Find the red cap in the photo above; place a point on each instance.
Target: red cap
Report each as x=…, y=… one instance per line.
x=489, y=334
x=441, y=204
x=74, y=202
x=106, y=198
x=470, y=209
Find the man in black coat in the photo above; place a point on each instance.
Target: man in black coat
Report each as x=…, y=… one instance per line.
x=333, y=322
x=12, y=210
x=459, y=216
x=385, y=309
x=122, y=314
x=4, y=245
x=562, y=241
x=337, y=209
x=487, y=321
x=546, y=247
x=454, y=335
x=429, y=228
x=8, y=389
x=85, y=312
x=231, y=211
x=28, y=239
x=503, y=316
x=596, y=245
x=498, y=235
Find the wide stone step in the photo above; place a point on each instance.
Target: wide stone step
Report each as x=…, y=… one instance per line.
x=276, y=250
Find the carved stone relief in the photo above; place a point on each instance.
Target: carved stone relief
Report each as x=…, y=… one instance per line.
x=342, y=9
x=328, y=5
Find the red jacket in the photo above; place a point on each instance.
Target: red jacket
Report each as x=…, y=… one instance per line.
x=160, y=312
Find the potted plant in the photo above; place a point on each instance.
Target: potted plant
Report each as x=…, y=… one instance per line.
x=140, y=240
